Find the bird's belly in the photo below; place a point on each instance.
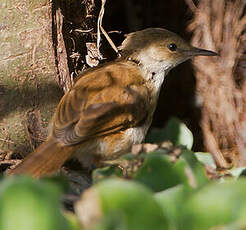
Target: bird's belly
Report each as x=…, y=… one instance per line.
x=111, y=146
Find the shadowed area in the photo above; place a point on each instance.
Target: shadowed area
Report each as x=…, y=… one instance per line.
x=25, y=113
x=13, y=98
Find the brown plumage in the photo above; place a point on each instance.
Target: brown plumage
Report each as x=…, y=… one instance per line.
x=44, y=160
x=110, y=108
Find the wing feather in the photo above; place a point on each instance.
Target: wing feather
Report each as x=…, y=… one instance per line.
x=100, y=107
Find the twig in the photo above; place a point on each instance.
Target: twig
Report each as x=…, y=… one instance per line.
x=62, y=59
x=191, y=5
x=115, y=31
x=7, y=141
x=12, y=161
x=99, y=23
x=100, y=28
x=109, y=40
x=83, y=31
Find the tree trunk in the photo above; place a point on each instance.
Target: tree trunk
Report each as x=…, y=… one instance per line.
x=220, y=26
x=43, y=46
x=28, y=89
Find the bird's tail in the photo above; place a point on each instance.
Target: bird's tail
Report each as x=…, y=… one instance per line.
x=46, y=159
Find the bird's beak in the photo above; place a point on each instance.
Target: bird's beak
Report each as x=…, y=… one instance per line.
x=193, y=51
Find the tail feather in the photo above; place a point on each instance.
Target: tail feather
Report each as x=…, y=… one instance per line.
x=46, y=159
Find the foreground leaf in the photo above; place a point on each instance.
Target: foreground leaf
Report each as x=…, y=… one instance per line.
x=172, y=203
x=216, y=205
x=195, y=171
x=158, y=173
x=106, y=172
x=120, y=204
x=26, y=204
x=206, y=159
x=175, y=131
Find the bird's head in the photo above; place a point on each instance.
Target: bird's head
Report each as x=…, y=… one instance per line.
x=159, y=48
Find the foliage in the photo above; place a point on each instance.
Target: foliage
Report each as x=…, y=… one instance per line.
x=163, y=189
x=26, y=204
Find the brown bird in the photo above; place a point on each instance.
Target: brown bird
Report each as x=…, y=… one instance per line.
x=110, y=107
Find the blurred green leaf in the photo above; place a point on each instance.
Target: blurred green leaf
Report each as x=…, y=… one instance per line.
x=172, y=201
x=73, y=221
x=125, y=205
x=217, y=204
x=175, y=131
x=197, y=173
x=59, y=181
x=156, y=135
x=158, y=173
x=106, y=172
x=206, y=159
x=113, y=221
x=214, y=206
x=26, y=204
x=236, y=172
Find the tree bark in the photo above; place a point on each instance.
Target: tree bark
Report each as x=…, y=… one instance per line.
x=44, y=45
x=221, y=86
x=28, y=89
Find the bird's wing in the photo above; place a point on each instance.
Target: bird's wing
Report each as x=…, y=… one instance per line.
x=100, y=107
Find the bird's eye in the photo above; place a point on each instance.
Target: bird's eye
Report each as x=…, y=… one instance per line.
x=172, y=47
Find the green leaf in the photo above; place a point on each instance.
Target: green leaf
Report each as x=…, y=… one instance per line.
x=112, y=221
x=197, y=173
x=178, y=133
x=172, y=201
x=206, y=159
x=26, y=204
x=121, y=205
x=156, y=135
x=106, y=172
x=158, y=173
x=236, y=172
x=73, y=221
x=175, y=131
x=214, y=206
x=217, y=204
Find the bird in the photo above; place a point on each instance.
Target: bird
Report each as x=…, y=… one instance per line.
x=110, y=107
